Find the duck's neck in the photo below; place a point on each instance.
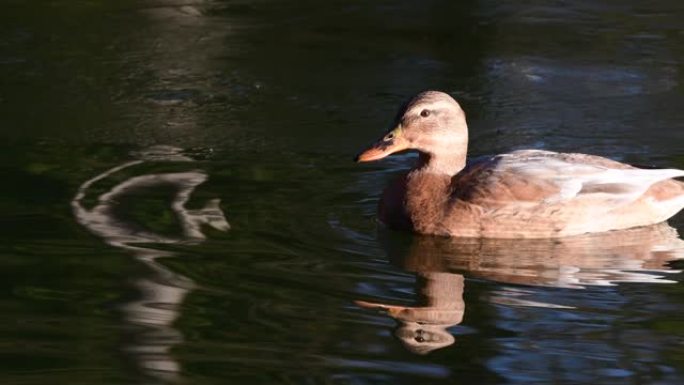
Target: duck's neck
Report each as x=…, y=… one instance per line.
x=428, y=192
x=441, y=164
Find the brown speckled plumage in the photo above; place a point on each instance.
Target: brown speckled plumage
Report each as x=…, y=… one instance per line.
x=523, y=194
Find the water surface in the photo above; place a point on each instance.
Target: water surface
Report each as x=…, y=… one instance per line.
x=179, y=203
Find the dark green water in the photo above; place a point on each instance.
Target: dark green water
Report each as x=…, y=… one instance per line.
x=261, y=105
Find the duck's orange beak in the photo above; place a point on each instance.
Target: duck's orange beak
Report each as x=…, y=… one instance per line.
x=389, y=144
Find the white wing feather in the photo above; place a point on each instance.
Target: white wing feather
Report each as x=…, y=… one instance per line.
x=584, y=180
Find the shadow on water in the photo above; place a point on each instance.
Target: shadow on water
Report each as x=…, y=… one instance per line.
x=440, y=264
x=162, y=292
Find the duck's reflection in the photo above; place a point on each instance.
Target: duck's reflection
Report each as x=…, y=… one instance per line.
x=162, y=293
x=634, y=255
x=422, y=328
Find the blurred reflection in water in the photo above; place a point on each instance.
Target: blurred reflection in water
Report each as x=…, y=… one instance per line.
x=422, y=328
x=162, y=293
x=634, y=255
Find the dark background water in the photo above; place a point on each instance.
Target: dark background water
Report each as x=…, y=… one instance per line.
x=271, y=99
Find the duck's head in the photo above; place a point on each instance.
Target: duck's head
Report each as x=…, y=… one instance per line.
x=432, y=123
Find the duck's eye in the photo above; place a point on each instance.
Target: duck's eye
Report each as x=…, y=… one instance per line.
x=425, y=113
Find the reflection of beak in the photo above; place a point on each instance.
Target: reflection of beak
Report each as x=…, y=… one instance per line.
x=389, y=144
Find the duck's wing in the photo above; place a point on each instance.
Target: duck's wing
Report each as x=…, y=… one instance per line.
x=542, y=177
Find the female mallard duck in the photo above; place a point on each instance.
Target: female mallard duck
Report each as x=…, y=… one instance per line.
x=522, y=194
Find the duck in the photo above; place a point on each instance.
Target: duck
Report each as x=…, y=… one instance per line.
x=521, y=194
